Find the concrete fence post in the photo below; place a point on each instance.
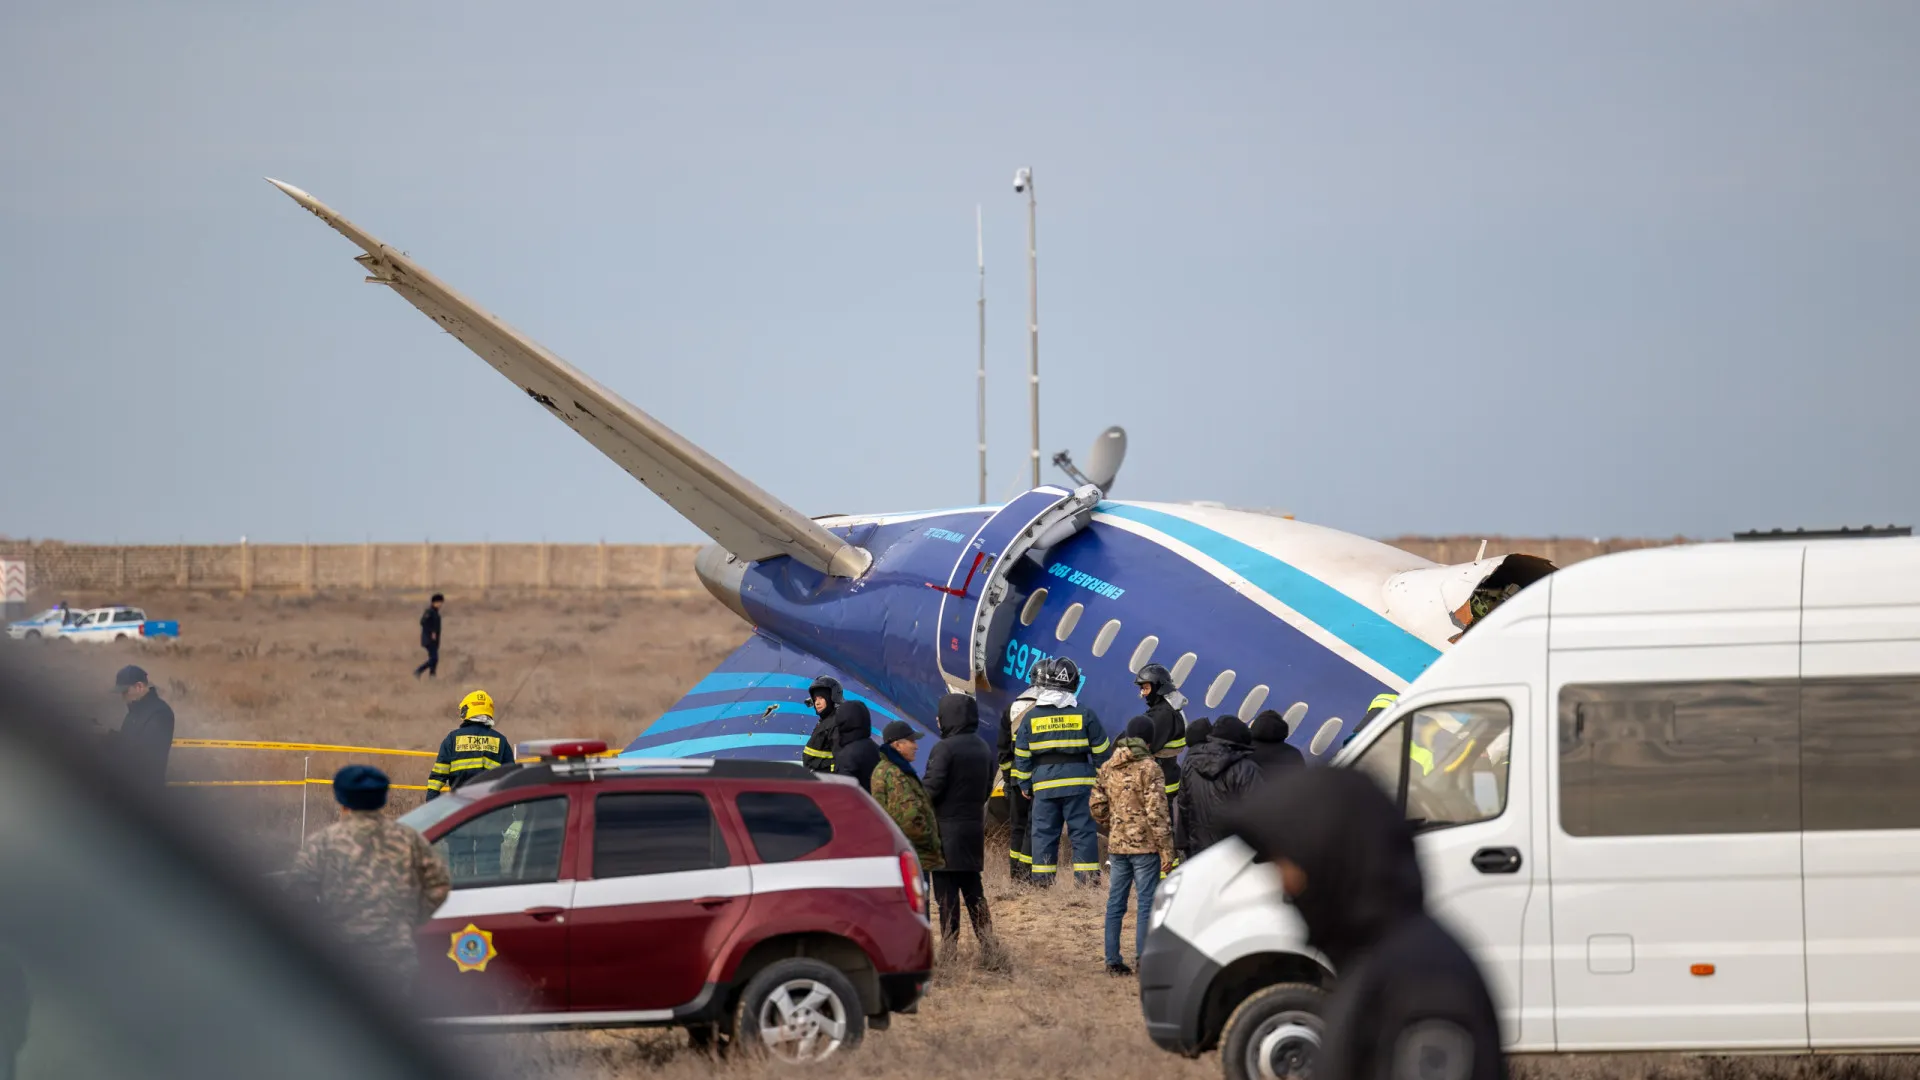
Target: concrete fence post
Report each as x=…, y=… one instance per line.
x=659, y=566
x=426, y=564
x=600, y=578
x=486, y=566
x=546, y=576
x=246, y=567
x=120, y=569
x=366, y=566
x=185, y=571
x=306, y=568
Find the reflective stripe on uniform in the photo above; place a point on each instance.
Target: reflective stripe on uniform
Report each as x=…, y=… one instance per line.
x=1018, y=775
x=811, y=752
x=1177, y=744
x=436, y=784
x=1071, y=781
x=1041, y=868
x=464, y=764
x=1017, y=857
x=1422, y=757
x=1173, y=788
x=1086, y=868
x=1103, y=747
x=439, y=768
x=1383, y=701
x=1058, y=744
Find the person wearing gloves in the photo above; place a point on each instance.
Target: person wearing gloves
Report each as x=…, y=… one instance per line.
x=1216, y=775
x=1130, y=800
x=1409, y=1001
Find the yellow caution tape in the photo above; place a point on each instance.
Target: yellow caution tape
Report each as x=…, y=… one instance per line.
x=237, y=744
x=277, y=783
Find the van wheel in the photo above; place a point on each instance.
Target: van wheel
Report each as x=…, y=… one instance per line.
x=798, y=1011
x=1274, y=1035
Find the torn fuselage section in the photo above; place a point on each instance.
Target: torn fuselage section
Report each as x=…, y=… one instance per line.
x=1439, y=603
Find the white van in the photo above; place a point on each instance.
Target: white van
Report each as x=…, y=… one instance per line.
x=1669, y=799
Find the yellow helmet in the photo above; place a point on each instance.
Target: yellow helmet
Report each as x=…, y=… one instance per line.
x=476, y=705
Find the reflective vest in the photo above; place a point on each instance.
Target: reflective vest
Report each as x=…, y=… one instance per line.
x=1057, y=750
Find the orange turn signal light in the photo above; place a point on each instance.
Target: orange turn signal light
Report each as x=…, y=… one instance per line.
x=1701, y=969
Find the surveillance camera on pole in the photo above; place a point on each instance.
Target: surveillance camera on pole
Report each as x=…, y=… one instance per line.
x=1023, y=183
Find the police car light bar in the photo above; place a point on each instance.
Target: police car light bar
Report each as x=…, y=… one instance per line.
x=560, y=749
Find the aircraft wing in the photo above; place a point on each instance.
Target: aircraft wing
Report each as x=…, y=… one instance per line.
x=754, y=705
x=726, y=506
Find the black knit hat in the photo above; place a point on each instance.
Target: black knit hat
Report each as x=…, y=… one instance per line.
x=1231, y=729
x=360, y=787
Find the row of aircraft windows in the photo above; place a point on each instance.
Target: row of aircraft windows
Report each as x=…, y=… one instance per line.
x=1217, y=690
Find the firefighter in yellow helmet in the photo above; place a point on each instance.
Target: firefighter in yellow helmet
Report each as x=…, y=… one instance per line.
x=470, y=749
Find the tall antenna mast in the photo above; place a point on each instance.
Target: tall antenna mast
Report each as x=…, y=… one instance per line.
x=980, y=252
x=1023, y=182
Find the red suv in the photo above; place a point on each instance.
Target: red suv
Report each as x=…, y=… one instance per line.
x=750, y=900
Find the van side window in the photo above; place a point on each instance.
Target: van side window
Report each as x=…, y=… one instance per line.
x=1859, y=762
x=1453, y=769
x=1681, y=758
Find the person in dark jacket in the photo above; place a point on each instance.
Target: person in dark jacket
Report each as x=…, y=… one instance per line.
x=430, y=637
x=1409, y=1000
x=959, y=779
x=1019, y=803
x=855, y=753
x=825, y=695
x=1271, y=751
x=1216, y=775
x=471, y=749
x=1155, y=684
x=145, y=737
x=1198, y=731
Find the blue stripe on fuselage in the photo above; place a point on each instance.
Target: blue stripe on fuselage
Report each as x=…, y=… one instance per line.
x=1372, y=633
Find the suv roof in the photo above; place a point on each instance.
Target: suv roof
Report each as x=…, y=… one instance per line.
x=522, y=774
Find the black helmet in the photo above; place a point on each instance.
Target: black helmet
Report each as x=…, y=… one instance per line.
x=1155, y=676
x=1057, y=673
x=828, y=687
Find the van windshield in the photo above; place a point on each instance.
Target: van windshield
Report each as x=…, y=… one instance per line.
x=1445, y=764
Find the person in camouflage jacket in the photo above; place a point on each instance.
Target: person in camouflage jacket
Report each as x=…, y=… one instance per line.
x=375, y=880
x=901, y=794
x=1129, y=800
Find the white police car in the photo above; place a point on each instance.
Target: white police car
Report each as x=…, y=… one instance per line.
x=44, y=626
x=116, y=623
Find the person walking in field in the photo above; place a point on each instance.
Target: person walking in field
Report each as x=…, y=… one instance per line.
x=430, y=638
x=375, y=880
x=1129, y=799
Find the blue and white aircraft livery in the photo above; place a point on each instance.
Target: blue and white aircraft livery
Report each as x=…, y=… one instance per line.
x=1246, y=609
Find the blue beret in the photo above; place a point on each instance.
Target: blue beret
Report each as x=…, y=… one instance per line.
x=360, y=787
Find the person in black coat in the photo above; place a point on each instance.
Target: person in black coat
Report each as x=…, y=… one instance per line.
x=145, y=738
x=1217, y=774
x=855, y=753
x=1271, y=751
x=824, y=696
x=430, y=638
x=1409, y=1001
x=959, y=778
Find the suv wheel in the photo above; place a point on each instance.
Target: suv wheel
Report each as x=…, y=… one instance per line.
x=1274, y=1034
x=798, y=1011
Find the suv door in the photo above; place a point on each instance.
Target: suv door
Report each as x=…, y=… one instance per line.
x=1455, y=779
x=663, y=892
x=498, y=946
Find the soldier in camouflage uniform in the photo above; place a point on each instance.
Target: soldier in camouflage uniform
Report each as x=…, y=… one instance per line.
x=375, y=880
x=1129, y=799
x=901, y=794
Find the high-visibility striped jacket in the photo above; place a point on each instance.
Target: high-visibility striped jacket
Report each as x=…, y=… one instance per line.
x=1057, y=750
x=467, y=751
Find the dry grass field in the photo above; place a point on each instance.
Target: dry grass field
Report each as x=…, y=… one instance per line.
x=338, y=670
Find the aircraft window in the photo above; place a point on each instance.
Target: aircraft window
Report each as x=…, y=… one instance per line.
x=1324, y=737
x=1250, y=705
x=1104, y=641
x=1182, y=668
x=1217, y=693
x=1143, y=652
x=1068, y=620
x=1034, y=603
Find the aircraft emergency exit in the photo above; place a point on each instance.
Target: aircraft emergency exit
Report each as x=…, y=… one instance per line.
x=1243, y=608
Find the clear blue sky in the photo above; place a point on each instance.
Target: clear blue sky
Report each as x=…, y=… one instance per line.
x=1597, y=269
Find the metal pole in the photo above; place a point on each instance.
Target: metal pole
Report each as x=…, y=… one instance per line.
x=305, y=761
x=1033, y=326
x=980, y=250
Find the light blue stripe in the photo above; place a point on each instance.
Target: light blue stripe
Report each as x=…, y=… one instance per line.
x=697, y=747
x=721, y=682
x=706, y=714
x=1368, y=631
